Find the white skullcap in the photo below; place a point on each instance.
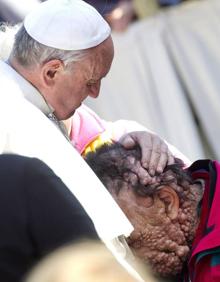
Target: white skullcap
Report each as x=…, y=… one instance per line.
x=67, y=25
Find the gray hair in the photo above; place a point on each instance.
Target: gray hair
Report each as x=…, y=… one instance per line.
x=29, y=52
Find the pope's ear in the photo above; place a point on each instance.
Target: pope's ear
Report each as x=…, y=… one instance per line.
x=50, y=71
x=171, y=201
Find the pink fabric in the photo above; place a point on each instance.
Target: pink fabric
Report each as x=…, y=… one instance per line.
x=210, y=216
x=204, y=263
x=86, y=126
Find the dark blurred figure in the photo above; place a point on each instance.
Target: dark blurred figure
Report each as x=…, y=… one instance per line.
x=8, y=14
x=118, y=13
x=37, y=214
x=14, y=11
x=170, y=2
x=104, y=6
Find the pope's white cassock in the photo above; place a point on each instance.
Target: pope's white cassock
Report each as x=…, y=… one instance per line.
x=26, y=130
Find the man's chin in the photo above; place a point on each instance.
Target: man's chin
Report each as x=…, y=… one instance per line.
x=166, y=272
x=164, y=264
x=73, y=111
x=68, y=115
x=71, y=114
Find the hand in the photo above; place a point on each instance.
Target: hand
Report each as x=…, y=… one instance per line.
x=155, y=153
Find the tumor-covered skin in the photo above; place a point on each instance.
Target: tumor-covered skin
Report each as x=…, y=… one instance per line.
x=159, y=239
x=162, y=242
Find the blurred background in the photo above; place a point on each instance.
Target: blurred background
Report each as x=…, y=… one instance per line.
x=166, y=70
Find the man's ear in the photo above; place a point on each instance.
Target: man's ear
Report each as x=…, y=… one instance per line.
x=171, y=201
x=50, y=72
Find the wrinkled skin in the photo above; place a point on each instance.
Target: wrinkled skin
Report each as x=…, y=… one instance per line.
x=164, y=213
x=162, y=242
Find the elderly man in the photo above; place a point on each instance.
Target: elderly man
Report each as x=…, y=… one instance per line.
x=176, y=219
x=59, y=57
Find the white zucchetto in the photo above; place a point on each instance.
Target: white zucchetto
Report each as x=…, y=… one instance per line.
x=67, y=25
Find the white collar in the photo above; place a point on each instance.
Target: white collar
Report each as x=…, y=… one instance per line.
x=28, y=90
